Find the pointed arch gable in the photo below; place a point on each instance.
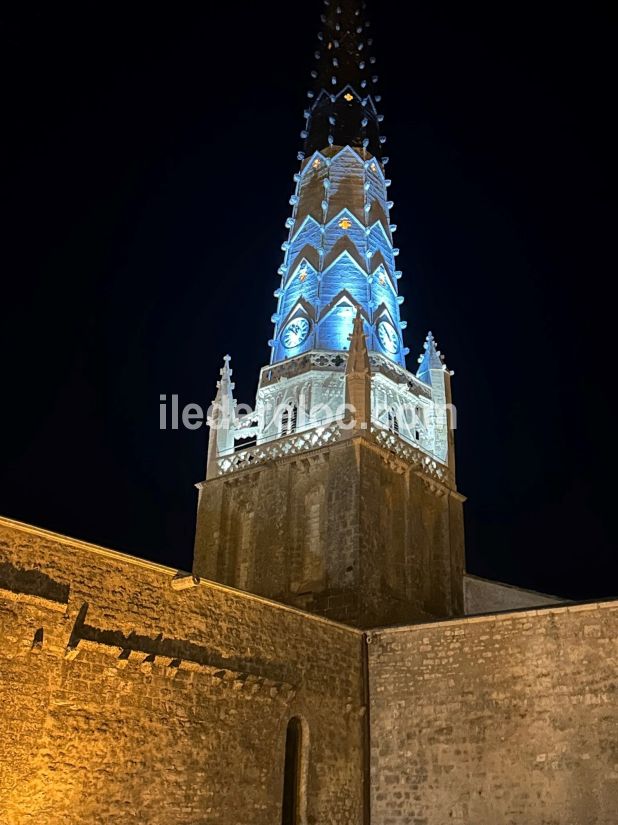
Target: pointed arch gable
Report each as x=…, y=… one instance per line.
x=343, y=297
x=382, y=268
x=308, y=253
x=378, y=171
x=378, y=226
x=344, y=246
x=307, y=164
x=350, y=150
x=295, y=271
x=336, y=321
x=344, y=213
x=299, y=227
x=301, y=307
x=383, y=312
x=340, y=257
x=379, y=260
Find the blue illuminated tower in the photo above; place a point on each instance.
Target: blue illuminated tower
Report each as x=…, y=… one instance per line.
x=339, y=255
x=339, y=259
x=336, y=394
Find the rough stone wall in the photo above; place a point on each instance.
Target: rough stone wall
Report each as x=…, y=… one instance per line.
x=126, y=701
x=388, y=547
x=274, y=501
x=411, y=543
x=509, y=719
x=486, y=596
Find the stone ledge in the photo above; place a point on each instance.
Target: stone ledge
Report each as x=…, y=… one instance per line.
x=234, y=676
x=33, y=599
x=571, y=607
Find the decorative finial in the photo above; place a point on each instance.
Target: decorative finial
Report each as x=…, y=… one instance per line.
x=224, y=385
x=225, y=370
x=431, y=359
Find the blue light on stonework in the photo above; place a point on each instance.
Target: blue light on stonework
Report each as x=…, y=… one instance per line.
x=294, y=337
x=339, y=256
x=295, y=333
x=344, y=314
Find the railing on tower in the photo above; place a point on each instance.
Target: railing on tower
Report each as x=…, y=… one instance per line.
x=322, y=435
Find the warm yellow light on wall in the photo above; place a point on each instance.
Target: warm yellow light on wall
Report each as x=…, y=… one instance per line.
x=345, y=223
x=316, y=163
x=347, y=96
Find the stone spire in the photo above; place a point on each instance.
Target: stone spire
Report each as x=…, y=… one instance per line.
x=433, y=371
x=431, y=359
x=221, y=419
x=337, y=344
x=343, y=101
x=340, y=252
x=358, y=376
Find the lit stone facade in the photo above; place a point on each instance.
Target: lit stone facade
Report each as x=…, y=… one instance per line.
x=350, y=530
x=338, y=493
x=339, y=256
x=507, y=718
x=124, y=699
x=129, y=694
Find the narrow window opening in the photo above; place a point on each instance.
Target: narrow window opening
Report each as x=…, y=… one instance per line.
x=289, y=419
x=419, y=423
x=37, y=642
x=393, y=421
x=293, y=418
x=290, y=813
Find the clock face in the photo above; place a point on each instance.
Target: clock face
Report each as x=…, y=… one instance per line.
x=295, y=333
x=388, y=337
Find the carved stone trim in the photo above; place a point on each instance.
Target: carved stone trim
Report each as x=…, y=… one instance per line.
x=328, y=435
x=281, y=448
x=336, y=362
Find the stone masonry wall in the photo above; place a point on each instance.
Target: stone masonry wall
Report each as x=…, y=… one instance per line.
x=509, y=719
x=125, y=701
x=348, y=531
x=486, y=596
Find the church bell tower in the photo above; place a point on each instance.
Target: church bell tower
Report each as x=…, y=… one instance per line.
x=338, y=495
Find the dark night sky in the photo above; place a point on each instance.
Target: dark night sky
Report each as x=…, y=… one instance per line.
x=147, y=163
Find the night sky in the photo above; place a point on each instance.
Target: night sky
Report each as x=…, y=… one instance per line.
x=148, y=154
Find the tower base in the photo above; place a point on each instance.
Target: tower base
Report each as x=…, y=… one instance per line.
x=351, y=531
